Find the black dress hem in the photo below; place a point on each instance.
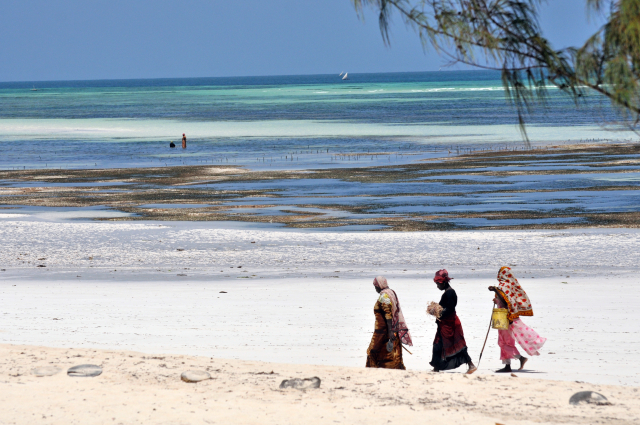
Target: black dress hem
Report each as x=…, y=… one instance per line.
x=452, y=362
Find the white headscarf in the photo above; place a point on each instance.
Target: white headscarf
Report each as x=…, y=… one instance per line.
x=398, y=323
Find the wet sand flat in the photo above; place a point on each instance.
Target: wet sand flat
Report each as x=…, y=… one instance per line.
x=552, y=188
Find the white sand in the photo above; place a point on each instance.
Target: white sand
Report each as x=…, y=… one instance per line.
x=141, y=389
x=118, y=285
x=306, y=298
x=318, y=321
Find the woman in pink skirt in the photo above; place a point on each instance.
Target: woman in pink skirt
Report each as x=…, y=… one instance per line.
x=510, y=295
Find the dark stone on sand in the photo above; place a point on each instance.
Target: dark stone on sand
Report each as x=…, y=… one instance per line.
x=41, y=265
x=590, y=397
x=195, y=376
x=301, y=384
x=46, y=371
x=84, y=371
x=223, y=292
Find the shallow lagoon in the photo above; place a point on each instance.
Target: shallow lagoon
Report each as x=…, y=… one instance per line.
x=394, y=151
x=292, y=122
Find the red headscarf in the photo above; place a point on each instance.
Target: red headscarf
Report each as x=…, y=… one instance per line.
x=398, y=323
x=442, y=276
x=517, y=300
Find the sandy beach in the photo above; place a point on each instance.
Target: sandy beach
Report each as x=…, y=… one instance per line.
x=140, y=388
x=176, y=290
x=192, y=221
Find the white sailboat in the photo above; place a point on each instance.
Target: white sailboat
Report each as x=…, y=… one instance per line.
x=340, y=75
x=346, y=76
x=34, y=88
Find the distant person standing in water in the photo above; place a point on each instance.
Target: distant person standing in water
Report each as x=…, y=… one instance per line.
x=184, y=141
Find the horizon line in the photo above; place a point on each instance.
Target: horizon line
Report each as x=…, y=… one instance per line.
x=239, y=76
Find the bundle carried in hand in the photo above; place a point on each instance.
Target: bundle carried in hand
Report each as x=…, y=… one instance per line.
x=434, y=309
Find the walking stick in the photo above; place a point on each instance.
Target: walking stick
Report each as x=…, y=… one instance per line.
x=406, y=349
x=486, y=337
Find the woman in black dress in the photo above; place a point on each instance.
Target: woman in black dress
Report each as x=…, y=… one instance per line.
x=449, y=346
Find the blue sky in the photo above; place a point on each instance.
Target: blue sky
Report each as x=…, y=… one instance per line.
x=112, y=39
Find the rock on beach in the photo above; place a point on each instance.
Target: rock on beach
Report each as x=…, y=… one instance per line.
x=301, y=384
x=195, y=376
x=84, y=371
x=590, y=397
x=46, y=371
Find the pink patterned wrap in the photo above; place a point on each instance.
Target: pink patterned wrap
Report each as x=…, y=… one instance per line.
x=526, y=337
x=517, y=300
x=518, y=303
x=507, y=344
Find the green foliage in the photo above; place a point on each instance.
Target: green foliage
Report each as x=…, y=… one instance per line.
x=505, y=35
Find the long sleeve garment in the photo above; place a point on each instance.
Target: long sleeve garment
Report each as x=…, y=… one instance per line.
x=448, y=302
x=377, y=354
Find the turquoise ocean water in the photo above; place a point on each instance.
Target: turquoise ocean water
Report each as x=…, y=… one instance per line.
x=275, y=122
x=306, y=122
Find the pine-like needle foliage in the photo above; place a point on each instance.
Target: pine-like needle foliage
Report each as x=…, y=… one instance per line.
x=505, y=35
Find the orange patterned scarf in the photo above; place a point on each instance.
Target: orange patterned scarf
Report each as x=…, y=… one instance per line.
x=517, y=300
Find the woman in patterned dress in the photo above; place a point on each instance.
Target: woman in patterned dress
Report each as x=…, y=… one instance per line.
x=385, y=349
x=510, y=295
